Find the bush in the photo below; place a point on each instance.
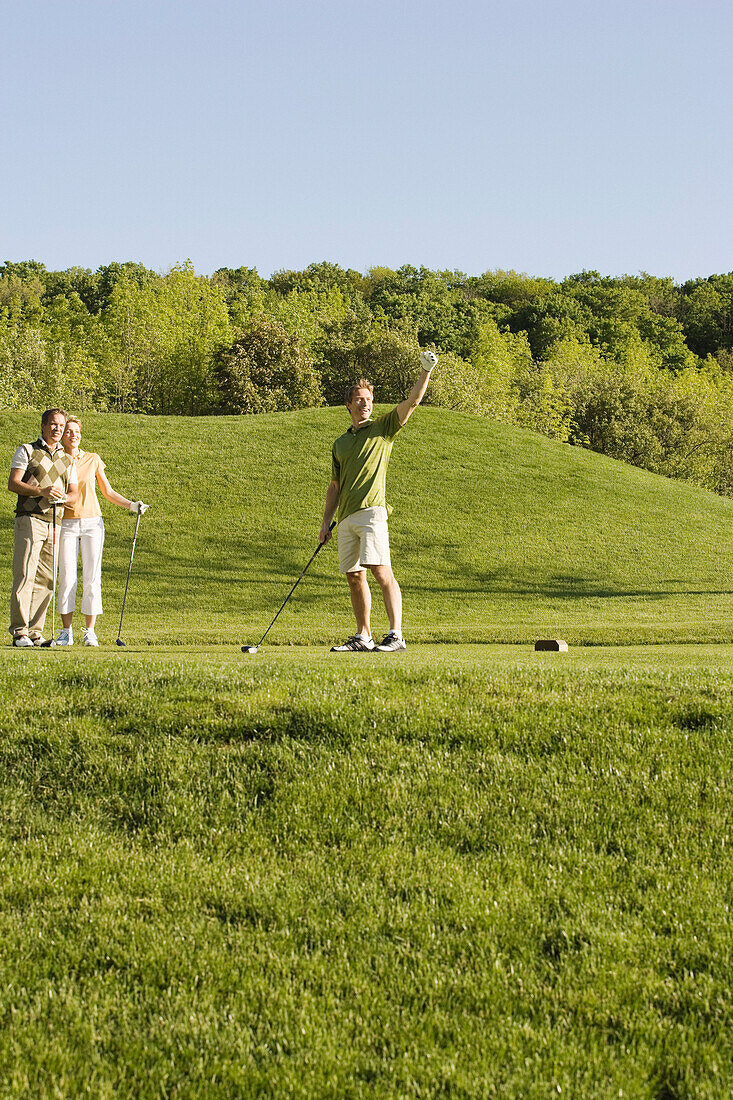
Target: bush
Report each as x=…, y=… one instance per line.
x=266, y=370
x=388, y=358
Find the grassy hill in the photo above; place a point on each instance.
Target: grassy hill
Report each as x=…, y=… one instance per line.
x=473, y=871
x=498, y=534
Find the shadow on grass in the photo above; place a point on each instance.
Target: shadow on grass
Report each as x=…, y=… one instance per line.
x=229, y=574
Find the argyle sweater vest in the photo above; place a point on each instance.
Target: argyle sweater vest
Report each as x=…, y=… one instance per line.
x=48, y=469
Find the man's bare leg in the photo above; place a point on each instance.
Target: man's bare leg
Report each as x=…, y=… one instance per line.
x=361, y=601
x=391, y=594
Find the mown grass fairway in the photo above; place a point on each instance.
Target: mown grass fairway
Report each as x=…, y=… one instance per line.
x=498, y=535
x=467, y=871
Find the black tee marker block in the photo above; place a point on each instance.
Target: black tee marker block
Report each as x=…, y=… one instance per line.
x=556, y=645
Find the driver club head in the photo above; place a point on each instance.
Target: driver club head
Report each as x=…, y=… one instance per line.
x=251, y=649
x=119, y=641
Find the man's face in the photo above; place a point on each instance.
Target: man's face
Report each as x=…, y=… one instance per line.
x=360, y=406
x=53, y=429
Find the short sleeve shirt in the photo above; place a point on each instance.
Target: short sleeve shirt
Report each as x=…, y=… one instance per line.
x=87, y=504
x=359, y=461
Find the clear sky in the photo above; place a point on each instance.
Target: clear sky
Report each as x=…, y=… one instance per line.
x=547, y=136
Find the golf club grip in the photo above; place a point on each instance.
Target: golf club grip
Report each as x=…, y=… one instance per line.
x=320, y=546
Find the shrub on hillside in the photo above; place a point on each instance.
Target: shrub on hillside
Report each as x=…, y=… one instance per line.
x=266, y=370
x=389, y=358
x=630, y=408
x=456, y=384
x=543, y=404
x=487, y=384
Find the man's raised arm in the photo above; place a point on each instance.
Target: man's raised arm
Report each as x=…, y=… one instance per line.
x=405, y=409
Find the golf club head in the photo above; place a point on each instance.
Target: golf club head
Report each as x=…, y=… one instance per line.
x=119, y=641
x=251, y=649
x=49, y=644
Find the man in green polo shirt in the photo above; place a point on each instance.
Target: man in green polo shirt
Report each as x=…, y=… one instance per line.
x=358, y=492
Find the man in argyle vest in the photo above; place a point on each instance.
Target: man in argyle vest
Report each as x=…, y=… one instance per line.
x=40, y=473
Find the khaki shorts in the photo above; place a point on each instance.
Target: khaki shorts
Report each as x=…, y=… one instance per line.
x=363, y=539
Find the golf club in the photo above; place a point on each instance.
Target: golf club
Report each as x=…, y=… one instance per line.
x=129, y=570
x=252, y=649
x=52, y=640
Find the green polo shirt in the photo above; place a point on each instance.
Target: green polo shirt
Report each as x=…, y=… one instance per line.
x=359, y=462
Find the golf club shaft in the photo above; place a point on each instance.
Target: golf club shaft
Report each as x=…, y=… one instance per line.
x=53, y=587
x=52, y=640
x=129, y=570
x=305, y=569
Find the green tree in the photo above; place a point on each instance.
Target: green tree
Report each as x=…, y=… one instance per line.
x=21, y=298
x=543, y=404
x=165, y=335
x=331, y=328
x=266, y=370
x=438, y=307
x=26, y=374
x=616, y=314
x=109, y=275
x=198, y=328
x=389, y=359
x=322, y=276
x=245, y=293
x=490, y=382
x=75, y=281
x=138, y=332
x=671, y=422
x=76, y=339
x=497, y=359
x=706, y=314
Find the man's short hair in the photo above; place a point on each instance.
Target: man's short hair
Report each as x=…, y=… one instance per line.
x=362, y=384
x=49, y=413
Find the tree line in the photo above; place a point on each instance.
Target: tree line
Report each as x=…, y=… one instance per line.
x=636, y=367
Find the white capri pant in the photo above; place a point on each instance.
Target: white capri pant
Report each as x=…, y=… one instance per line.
x=363, y=539
x=87, y=534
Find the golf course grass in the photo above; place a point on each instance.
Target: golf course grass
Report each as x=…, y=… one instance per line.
x=498, y=535
x=469, y=870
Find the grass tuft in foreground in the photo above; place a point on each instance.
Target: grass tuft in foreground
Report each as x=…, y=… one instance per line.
x=292, y=878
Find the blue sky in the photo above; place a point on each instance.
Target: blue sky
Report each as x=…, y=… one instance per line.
x=545, y=137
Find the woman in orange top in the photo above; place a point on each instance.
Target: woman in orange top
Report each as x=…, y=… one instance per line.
x=83, y=528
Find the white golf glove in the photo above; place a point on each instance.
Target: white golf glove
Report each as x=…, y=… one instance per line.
x=138, y=506
x=428, y=359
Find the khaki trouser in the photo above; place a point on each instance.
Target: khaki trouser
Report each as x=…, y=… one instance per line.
x=32, y=575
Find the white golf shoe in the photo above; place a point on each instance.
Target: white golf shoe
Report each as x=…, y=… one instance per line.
x=22, y=641
x=65, y=636
x=90, y=638
x=391, y=643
